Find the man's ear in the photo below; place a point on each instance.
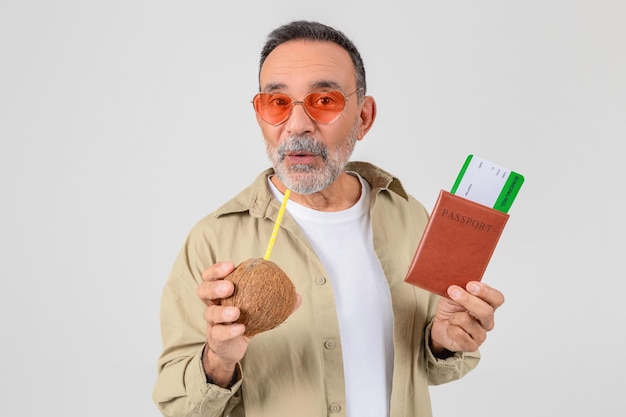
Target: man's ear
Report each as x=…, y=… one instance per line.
x=367, y=116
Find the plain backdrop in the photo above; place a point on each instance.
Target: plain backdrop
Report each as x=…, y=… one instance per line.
x=123, y=122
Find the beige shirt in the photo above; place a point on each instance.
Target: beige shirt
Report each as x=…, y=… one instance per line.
x=296, y=369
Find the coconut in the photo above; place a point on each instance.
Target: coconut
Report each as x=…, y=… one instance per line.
x=264, y=294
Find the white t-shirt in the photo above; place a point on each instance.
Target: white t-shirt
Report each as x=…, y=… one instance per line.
x=343, y=242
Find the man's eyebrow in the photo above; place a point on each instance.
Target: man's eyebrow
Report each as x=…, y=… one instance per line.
x=326, y=85
x=318, y=85
x=273, y=87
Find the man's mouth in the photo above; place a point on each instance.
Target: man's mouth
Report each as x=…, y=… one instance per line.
x=301, y=157
x=302, y=150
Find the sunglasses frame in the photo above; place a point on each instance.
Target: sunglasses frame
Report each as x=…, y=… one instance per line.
x=302, y=102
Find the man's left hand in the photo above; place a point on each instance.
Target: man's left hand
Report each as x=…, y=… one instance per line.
x=461, y=323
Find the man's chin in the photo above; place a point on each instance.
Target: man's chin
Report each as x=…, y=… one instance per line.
x=303, y=170
x=302, y=183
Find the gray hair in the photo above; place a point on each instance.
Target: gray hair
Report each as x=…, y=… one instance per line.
x=314, y=31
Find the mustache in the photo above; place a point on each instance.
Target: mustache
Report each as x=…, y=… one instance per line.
x=302, y=143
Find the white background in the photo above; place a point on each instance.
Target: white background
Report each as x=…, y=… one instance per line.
x=122, y=123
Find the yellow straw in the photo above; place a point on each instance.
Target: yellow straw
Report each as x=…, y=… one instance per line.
x=270, y=245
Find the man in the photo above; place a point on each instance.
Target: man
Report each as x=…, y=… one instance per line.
x=361, y=341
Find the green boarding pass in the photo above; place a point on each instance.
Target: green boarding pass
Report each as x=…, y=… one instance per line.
x=488, y=184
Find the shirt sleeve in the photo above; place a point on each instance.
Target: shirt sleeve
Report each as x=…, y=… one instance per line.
x=440, y=371
x=182, y=388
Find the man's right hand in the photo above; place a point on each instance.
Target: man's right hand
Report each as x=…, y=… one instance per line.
x=226, y=343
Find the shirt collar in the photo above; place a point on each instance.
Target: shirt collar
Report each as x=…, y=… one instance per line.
x=258, y=200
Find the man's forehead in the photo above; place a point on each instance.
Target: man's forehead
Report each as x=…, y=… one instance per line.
x=318, y=64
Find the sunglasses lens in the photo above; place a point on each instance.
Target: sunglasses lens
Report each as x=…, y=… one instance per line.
x=326, y=106
x=323, y=107
x=272, y=108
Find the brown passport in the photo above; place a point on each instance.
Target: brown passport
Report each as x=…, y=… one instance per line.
x=457, y=244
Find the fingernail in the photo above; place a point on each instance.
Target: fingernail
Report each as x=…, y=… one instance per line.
x=454, y=293
x=225, y=267
x=222, y=287
x=229, y=313
x=475, y=288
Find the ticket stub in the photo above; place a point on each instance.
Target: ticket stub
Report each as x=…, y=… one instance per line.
x=487, y=183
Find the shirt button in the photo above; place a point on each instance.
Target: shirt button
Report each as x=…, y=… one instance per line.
x=329, y=344
x=334, y=408
x=320, y=280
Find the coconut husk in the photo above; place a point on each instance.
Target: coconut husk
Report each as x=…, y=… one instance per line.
x=264, y=294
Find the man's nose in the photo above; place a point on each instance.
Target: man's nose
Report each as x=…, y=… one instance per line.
x=299, y=121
